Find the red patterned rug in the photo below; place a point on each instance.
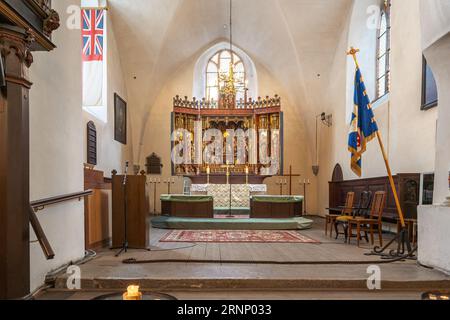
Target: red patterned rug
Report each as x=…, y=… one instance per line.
x=219, y=236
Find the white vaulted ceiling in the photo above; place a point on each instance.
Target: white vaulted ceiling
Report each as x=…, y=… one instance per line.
x=295, y=40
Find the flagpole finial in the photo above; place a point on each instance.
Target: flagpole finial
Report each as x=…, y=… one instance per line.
x=353, y=51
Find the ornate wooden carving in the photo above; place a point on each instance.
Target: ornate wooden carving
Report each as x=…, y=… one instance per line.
x=51, y=23
x=14, y=164
x=26, y=26
x=36, y=16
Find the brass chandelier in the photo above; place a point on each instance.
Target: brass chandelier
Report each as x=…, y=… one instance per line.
x=229, y=81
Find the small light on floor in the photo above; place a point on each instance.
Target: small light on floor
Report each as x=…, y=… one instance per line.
x=132, y=294
x=436, y=296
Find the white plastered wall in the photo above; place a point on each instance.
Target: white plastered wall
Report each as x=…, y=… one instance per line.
x=409, y=134
x=56, y=143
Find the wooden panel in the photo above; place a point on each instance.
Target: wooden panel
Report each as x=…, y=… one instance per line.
x=188, y=209
x=137, y=211
x=274, y=210
x=96, y=220
x=407, y=186
x=96, y=210
x=14, y=168
x=260, y=210
x=15, y=45
x=94, y=179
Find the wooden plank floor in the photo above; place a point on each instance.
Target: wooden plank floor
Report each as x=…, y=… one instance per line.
x=244, y=295
x=107, y=271
x=328, y=250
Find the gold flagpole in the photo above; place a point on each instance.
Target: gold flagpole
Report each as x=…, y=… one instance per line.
x=353, y=53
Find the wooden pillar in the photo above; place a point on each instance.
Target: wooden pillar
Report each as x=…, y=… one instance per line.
x=14, y=164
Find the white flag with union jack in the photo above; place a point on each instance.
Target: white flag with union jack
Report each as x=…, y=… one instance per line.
x=93, y=45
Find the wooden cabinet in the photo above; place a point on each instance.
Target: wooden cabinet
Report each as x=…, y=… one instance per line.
x=407, y=186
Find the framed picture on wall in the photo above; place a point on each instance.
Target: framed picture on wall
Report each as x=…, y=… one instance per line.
x=120, y=119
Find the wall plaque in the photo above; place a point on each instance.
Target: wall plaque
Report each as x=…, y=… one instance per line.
x=153, y=164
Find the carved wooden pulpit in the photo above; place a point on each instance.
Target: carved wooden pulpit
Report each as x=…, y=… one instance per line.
x=26, y=26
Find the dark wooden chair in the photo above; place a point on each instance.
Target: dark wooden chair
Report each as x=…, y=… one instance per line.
x=364, y=224
x=330, y=219
x=361, y=210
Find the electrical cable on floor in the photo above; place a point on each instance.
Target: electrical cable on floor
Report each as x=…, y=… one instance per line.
x=175, y=249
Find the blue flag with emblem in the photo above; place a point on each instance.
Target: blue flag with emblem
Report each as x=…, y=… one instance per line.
x=363, y=126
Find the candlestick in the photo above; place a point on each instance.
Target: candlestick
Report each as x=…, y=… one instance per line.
x=246, y=174
x=280, y=183
x=208, y=172
x=169, y=182
x=305, y=183
x=154, y=182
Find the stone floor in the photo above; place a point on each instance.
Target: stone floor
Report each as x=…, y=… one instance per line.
x=227, y=279
x=58, y=294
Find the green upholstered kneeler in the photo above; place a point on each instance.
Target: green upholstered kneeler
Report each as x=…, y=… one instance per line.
x=185, y=198
x=165, y=222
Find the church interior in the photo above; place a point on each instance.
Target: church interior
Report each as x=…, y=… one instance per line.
x=225, y=149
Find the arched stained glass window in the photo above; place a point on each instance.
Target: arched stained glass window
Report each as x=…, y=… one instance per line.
x=218, y=68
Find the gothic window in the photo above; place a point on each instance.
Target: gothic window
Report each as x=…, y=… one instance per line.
x=218, y=69
x=383, y=51
x=429, y=87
